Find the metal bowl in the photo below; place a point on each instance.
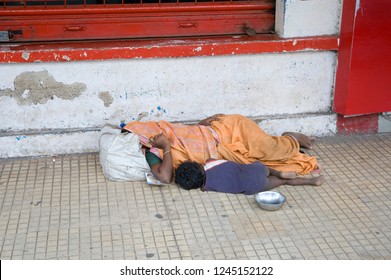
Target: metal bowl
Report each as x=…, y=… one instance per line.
x=269, y=200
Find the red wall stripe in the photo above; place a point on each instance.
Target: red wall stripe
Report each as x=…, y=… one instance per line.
x=138, y=49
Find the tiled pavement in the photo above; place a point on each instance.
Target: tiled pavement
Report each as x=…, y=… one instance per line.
x=63, y=208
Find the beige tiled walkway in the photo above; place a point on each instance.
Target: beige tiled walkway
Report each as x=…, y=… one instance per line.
x=64, y=208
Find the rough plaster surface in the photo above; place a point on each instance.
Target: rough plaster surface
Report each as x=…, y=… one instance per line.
x=182, y=89
x=106, y=98
x=321, y=125
x=48, y=144
x=385, y=122
x=300, y=18
x=39, y=87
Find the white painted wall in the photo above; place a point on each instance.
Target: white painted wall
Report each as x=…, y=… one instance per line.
x=183, y=89
x=283, y=91
x=301, y=18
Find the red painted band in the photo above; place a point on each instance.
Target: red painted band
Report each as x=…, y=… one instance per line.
x=131, y=49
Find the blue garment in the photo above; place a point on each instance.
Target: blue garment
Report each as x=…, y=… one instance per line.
x=232, y=177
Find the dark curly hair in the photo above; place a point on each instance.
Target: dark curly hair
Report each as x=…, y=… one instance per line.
x=190, y=175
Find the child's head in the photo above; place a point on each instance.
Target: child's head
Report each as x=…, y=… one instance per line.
x=190, y=175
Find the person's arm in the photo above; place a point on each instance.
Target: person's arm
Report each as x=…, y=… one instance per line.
x=163, y=171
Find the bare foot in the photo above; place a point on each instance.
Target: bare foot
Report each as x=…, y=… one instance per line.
x=288, y=175
x=304, y=140
x=318, y=170
x=317, y=181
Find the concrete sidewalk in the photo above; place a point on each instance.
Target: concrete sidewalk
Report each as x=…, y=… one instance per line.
x=64, y=208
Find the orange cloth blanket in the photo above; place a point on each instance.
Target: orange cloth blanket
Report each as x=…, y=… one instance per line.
x=243, y=141
x=194, y=143
x=240, y=140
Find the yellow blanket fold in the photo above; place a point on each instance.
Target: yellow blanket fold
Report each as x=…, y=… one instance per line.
x=243, y=141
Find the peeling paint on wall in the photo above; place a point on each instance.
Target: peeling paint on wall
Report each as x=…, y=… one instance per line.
x=39, y=87
x=106, y=98
x=142, y=115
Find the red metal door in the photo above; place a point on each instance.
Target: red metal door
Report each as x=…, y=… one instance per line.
x=363, y=80
x=60, y=20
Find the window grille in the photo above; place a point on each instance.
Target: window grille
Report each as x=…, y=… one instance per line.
x=56, y=20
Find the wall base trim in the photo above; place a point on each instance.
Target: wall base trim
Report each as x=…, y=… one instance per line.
x=163, y=48
x=73, y=141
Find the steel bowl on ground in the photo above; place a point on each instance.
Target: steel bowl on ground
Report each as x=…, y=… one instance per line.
x=270, y=200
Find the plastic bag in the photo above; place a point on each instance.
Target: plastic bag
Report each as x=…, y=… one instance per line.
x=121, y=156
